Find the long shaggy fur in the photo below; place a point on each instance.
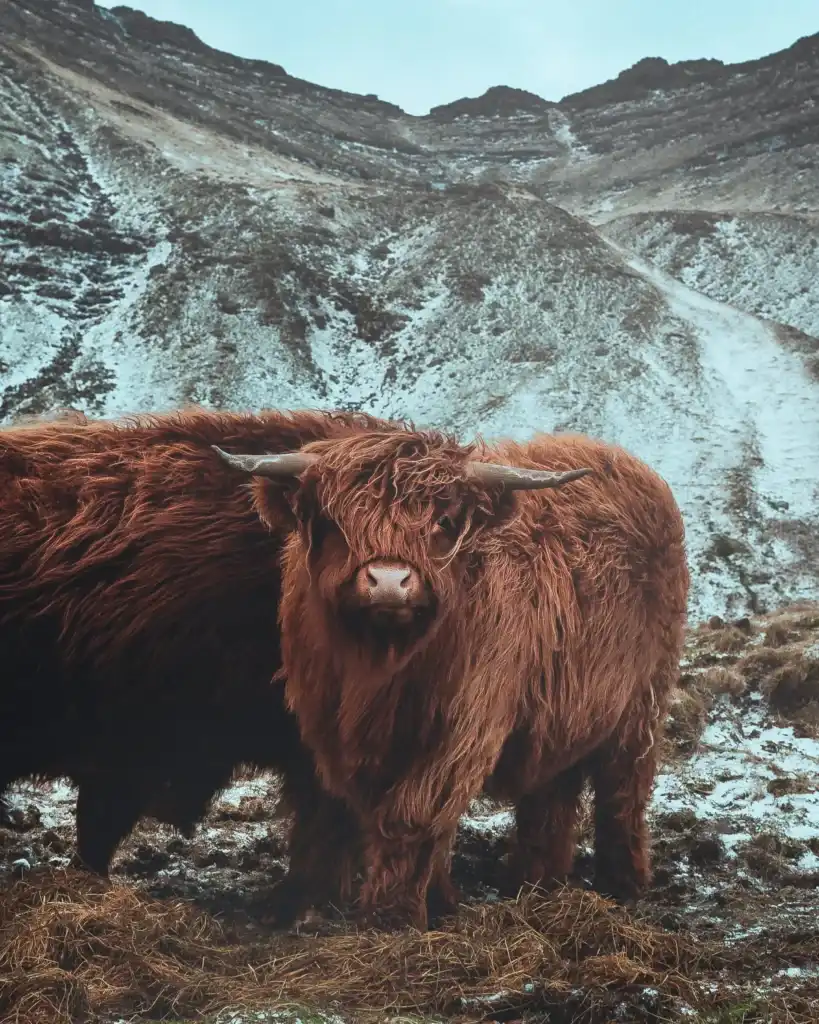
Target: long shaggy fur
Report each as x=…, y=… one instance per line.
x=560, y=617
x=138, y=630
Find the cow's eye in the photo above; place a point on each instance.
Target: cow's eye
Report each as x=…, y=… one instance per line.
x=321, y=529
x=446, y=524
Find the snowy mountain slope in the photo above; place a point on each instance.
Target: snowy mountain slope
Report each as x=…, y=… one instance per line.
x=762, y=263
x=180, y=225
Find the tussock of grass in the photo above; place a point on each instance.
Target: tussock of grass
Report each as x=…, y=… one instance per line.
x=776, y=635
x=687, y=718
x=793, y=684
x=730, y=640
x=781, y=672
x=250, y=808
x=759, y=664
x=718, y=680
x=806, y=622
x=692, y=703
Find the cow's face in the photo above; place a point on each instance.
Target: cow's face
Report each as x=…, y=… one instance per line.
x=387, y=566
x=386, y=525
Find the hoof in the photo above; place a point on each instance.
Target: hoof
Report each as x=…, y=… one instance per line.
x=512, y=886
x=285, y=905
x=620, y=891
x=392, y=919
x=442, y=903
x=76, y=863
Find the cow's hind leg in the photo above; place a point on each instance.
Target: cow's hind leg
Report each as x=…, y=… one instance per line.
x=546, y=820
x=623, y=772
x=6, y=779
x=108, y=807
x=184, y=797
x=5, y=809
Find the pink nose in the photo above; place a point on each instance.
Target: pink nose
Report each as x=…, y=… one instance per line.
x=388, y=585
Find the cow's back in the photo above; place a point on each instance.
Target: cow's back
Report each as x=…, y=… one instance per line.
x=605, y=568
x=138, y=588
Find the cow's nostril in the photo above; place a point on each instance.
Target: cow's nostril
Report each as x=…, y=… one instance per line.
x=372, y=579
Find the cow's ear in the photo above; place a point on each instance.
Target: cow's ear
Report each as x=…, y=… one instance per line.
x=274, y=501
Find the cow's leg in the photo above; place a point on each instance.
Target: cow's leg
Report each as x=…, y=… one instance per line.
x=443, y=896
x=184, y=797
x=5, y=809
x=545, y=821
x=324, y=851
x=108, y=807
x=7, y=777
x=401, y=862
x=623, y=772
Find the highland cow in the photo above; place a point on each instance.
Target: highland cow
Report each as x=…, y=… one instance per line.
x=138, y=626
x=457, y=618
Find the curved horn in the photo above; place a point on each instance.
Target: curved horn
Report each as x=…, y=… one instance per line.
x=513, y=478
x=288, y=464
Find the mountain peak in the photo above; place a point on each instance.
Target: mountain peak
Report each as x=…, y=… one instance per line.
x=143, y=27
x=497, y=101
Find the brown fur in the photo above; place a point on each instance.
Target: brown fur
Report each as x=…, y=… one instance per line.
x=138, y=633
x=551, y=657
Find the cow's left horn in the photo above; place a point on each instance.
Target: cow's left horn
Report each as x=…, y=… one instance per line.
x=288, y=464
x=513, y=478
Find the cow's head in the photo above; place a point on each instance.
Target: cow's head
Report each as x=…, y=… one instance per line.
x=386, y=524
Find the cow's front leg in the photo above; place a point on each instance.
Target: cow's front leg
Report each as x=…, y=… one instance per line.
x=443, y=896
x=323, y=849
x=400, y=862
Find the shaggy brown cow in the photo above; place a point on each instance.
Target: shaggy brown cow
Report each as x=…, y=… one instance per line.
x=473, y=624
x=138, y=632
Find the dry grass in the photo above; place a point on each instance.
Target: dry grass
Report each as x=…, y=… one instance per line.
x=759, y=664
x=687, y=718
x=776, y=635
x=718, y=680
x=730, y=640
x=75, y=948
x=691, y=705
x=793, y=685
x=780, y=670
x=783, y=674
x=250, y=808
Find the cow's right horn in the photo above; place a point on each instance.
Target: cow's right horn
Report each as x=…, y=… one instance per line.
x=288, y=464
x=516, y=478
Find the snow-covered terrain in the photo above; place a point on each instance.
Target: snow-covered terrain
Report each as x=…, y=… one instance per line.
x=183, y=226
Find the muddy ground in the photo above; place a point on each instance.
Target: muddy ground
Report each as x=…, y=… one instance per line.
x=735, y=819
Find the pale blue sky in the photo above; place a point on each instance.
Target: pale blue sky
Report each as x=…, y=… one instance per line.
x=419, y=53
